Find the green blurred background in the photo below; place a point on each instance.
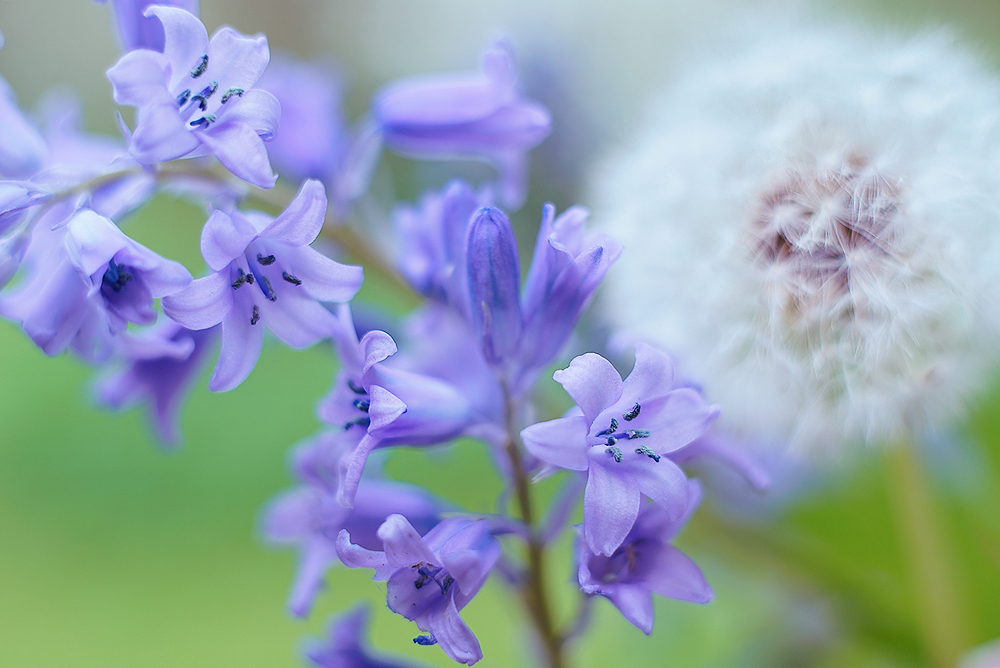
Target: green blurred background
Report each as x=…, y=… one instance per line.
x=116, y=554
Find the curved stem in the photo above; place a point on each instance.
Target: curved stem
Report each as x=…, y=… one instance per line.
x=533, y=591
x=931, y=565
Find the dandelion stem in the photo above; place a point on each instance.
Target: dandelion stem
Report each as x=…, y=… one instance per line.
x=931, y=565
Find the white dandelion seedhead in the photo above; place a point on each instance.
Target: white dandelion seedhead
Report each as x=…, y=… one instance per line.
x=812, y=224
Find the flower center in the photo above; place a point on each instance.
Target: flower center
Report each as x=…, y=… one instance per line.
x=189, y=103
x=115, y=277
x=257, y=276
x=362, y=403
x=612, y=436
x=824, y=234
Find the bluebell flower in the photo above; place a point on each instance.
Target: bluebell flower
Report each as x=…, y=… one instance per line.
x=462, y=116
x=388, y=405
x=345, y=646
x=197, y=97
x=85, y=282
x=645, y=563
x=310, y=517
x=621, y=434
x=430, y=579
x=22, y=149
x=157, y=367
x=264, y=275
x=494, y=276
x=137, y=31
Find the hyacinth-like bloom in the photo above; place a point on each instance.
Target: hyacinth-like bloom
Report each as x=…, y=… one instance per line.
x=429, y=580
x=620, y=436
x=22, y=149
x=462, y=116
x=345, y=646
x=196, y=97
x=388, y=406
x=264, y=275
x=311, y=518
x=86, y=281
x=158, y=367
x=646, y=564
x=315, y=141
x=137, y=31
x=813, y=228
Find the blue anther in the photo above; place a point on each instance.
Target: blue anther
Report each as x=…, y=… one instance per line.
x=612, y=429
x=267, y=290
x=183, y=97
x=291, y=279
x=240, y=279
x=238, y=92
x=266, y=260
x=616, y=453
x=649, y=453
x=425, y=640
x=362, y=421
x=362, y=404
x=200, y=68
x=115, y=277
x=255, y=317
x=356, y=389
x=637, y=433
x=203, y=122
x=632, y=414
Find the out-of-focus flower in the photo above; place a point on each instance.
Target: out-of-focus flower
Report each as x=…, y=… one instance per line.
x=620, y=436
x=264, y=273
x=814, y=227
x=315, y=141
x=22, y=149
x=196, y=97
x=430, y=579
x=159, y=367
x=345, y=646
x=646, y=564
x=310, y=517
x=137, y=31
x=86, y=281
x=462, y=116
x=984, y=656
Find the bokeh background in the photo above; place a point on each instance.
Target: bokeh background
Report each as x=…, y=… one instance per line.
x=117, y=554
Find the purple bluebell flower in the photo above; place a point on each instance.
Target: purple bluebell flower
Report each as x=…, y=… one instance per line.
x=620, y=434
x=86, y=281
x=567, y=266
x=197, y=97
x=345, y=646
x=315, y=141
x=16, y=200
x=264, y=275
x=389, y=406
x=461, y=116
x=430, y=579
x=22, y=149
x=645, y=564
x=494, y=275
x=310, y=516
x=158, y=367
x=137, y=31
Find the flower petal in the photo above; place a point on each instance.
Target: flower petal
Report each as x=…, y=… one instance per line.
x=665, y=483
x=139, y=78
x=296, y=319
x=161, y=135
x=610, y=506
x=403, y=545
x=202, y=304
x=301, y=222
x=241, y=346
x=593, y=383
x=224, y=238
x=317, y=557
x=322, y=278
x=256, y=108
x=636, y=605
x=453, y=634
x=237, y=60
x=652, y=375
x=240, y=149
x=676, y=419
x=562, y=442
x=354, y=556
x=185, y=40
x=674, y=574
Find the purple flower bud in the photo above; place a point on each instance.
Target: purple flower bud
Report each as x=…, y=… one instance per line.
x=430, y=579
x=645, y=564
x=449, y=116
x=494, y=276
x=621, y=434
x=136, y=31
x=264, y=275
x=197, y=96
x=345, y=647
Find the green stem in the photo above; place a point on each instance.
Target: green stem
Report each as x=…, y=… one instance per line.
x=931, y=565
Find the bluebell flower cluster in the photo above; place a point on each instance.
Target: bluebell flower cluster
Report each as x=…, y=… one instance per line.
x=465, y=363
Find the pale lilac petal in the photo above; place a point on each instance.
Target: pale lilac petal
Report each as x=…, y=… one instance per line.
x=664, y=483
x=297, y=320
x=241, y=346
x=375, y=346
x=301, y=222
x=403, y=545
x=257, y=109
x=674, y=574
x=202, y=304
x=240, y=149
x=453, y=634
x=224, y=238
x=592, y=382
x=562, y=442
x=324, y=279
x=437, y=99
x=355, y=556
x=161, y=135
x=652, y=376
x=185, y=39
x=237, y=60
x=139, y=78
x=636, y=605
x=676, y=419
x=310, y=575
x=494, y=279
x=92, y=240
x=610, y=506
x=355, y=466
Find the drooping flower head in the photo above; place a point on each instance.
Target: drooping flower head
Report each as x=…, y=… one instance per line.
x=197, y=97
x=646, y=564
x=812, y=222
x=264, y=275
x=621, y=435
x=462, y=116
x=430, y=579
